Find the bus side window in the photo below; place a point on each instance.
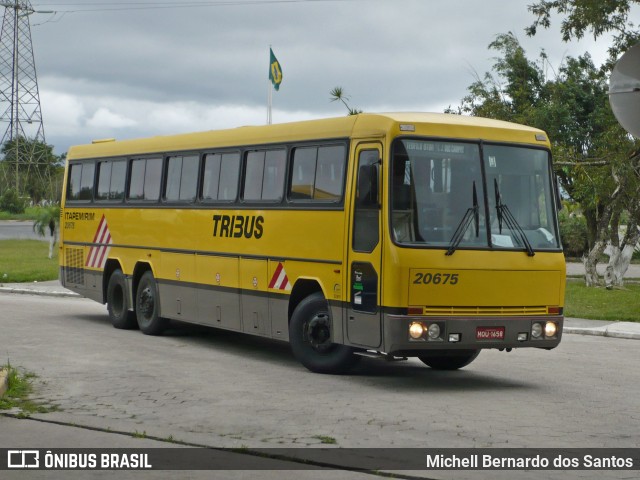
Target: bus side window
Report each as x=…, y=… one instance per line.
x=366, y=214
x=182, y=178
x=220, y=177
x=317, y=173
x=111, y=180
x=81, y=181
x=264, y=175
x=145, y=178
x=330, y=173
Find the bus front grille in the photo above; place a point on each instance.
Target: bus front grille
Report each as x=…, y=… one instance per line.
x=74, y=266
x=461, y=311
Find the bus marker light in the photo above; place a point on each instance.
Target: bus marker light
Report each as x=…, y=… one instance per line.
x=416, y=330
x=522, y=337
x=536, y=330
x=454, y=337
x=553, y=310
x=550, y=329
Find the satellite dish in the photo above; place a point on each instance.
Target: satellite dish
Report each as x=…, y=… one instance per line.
x=624, y=91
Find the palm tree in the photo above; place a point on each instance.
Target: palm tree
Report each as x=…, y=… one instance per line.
x=338, y=94
x=48, y=217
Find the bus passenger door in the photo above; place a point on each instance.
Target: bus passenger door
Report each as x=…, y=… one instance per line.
x=365, y=250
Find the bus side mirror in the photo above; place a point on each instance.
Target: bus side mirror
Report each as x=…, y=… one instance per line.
x=368, y=186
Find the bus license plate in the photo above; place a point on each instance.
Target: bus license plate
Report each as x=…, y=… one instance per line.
x=490, y=333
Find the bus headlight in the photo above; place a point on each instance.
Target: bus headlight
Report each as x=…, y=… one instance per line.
x=416, y=330
x=536, y=330
x=433, y=331
x=550, y=329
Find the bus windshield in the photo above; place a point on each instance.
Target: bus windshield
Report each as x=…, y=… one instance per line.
x=456, y=195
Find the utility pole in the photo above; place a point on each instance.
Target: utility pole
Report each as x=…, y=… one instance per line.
x=23, y=136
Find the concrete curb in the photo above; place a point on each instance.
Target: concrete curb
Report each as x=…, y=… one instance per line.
x=612, y=331
x=48, y=293
x=4, y=381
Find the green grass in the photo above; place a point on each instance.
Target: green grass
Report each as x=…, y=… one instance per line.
x=20, y=386
x=27, y=261
x=324, y=439
x=602, y=304
x=30, y=213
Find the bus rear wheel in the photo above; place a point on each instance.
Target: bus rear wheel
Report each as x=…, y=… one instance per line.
x=310, y=338
x=451, y=361
x=148, y=306
x=117, y=304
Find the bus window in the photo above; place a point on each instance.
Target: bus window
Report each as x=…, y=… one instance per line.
x=366, y=215
x=264, y=175
x=220, y=176
x=433, y=188
x=182, y=178
x=521, y=178
x=111, y=180
x=330, y=173
x=303, y=173
x=317, y=173
x=104, y=180
x=80, y=185
x=146, y=175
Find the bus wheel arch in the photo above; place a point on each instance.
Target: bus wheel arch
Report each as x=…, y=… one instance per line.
x=117, y=299
x=310, y=334
x=301, y=290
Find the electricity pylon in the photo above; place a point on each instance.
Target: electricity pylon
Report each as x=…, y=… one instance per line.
x=27, y=162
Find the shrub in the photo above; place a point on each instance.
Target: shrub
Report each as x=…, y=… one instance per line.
x=573, y=232
x=11, y=202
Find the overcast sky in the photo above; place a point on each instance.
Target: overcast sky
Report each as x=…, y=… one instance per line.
x=127, y=73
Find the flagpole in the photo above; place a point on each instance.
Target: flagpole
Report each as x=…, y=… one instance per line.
x=269, y=97
x=269, y=102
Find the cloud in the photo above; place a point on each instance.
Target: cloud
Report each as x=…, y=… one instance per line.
x=104, y=118
x=157, y=71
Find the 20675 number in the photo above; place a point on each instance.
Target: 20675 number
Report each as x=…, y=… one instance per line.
x=436, y=279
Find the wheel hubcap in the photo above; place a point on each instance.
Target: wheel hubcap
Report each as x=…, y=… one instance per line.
x=319, y=332
x=146, y=303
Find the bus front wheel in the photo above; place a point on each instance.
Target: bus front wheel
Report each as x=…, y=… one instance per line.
x=117, y=304
x=450, y=361
x=310, y=338
x=148, y=306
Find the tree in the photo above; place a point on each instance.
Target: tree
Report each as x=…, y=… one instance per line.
x=590, y=148
x=338, y=94
x=48, y=218
x=597, y=17
x=32, y=167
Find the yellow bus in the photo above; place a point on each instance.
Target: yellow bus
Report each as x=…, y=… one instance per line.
x=391, y=235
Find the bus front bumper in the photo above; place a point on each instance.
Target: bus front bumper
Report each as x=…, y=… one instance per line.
x=413, y=335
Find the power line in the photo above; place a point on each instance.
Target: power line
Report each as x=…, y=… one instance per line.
x=156, y=5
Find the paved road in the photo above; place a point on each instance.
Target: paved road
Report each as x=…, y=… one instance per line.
x=11, y=230
x=223, y=389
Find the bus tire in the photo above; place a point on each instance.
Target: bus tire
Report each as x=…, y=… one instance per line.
x=117, y=304
x=148, y=306
x=452, y=361
x=310, y=334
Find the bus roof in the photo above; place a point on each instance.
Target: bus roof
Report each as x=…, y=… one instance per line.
x=354, y=126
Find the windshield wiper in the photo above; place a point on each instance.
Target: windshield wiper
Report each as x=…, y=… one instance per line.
x=505, y=215
x=471, y=215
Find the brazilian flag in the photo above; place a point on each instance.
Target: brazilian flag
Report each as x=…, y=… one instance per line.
x=275, y=71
